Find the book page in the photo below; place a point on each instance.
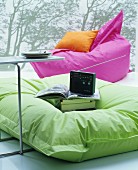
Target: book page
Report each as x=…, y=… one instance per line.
x=57, y=91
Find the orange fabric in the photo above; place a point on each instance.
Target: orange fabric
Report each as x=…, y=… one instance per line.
x=80, y=41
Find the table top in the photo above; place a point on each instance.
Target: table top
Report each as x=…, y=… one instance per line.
x=18, y=59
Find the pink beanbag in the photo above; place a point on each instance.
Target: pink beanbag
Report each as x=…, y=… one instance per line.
x=109, y=56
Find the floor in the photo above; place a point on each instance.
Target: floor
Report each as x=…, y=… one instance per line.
x=130, y=80
x=36, y=161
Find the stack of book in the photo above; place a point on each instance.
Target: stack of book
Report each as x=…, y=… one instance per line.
x=69, y=101
x=77, y=104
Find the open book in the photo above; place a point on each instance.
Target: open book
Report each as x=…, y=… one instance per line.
x=61, y=91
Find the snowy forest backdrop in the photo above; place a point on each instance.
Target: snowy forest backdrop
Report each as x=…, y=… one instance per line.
x=40, y=24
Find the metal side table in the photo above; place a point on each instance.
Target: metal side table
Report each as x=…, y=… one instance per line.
x=16, y=61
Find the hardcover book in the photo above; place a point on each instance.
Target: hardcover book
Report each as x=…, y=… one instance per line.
x=77, y=104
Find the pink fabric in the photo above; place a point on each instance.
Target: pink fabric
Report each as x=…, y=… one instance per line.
x=109, y=30
x=109, y=57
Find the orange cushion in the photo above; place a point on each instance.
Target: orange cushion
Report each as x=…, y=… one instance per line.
x=80, y=41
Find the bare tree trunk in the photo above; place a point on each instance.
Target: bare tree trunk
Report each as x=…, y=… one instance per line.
x=85, y=18
x=16, y=41
x=9, y=34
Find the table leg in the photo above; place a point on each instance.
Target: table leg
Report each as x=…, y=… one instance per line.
x=21, y=151
x=19, y=108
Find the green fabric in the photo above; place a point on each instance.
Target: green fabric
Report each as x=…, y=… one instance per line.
x=77, y=135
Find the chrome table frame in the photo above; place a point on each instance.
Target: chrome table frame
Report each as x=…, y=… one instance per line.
x=16, y=61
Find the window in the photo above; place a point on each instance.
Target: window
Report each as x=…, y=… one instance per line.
x=40, y=24
x=136, y=57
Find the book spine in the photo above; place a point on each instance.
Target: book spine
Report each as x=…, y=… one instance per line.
x=78, y=106
x=73, y=101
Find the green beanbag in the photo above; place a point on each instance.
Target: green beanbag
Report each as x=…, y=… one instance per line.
x=76, y=135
